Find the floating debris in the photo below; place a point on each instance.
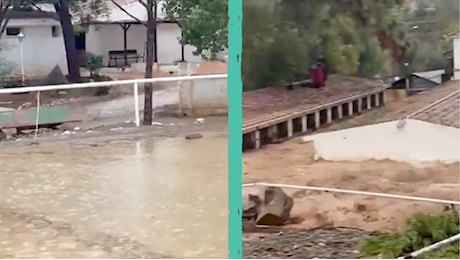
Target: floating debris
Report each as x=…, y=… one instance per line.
x=157, y=123
x=193, y=136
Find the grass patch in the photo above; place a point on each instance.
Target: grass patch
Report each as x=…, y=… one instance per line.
x=420, y=231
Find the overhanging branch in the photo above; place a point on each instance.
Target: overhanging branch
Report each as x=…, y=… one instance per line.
x=5, y=7
x=126, y=12
x=143, y=3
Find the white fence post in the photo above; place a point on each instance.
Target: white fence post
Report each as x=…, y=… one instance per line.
x=136, y=104
x=37, y=115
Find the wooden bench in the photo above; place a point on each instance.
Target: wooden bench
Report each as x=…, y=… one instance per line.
x=116, y=55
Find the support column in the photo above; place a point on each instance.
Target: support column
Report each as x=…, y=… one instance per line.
x=377, y=100
x=350, y=108
x=304, y=123
x=340, y=111
x=360, y=105
x=369, y=104
x=257, y=139
x=290, y=129
x=125, y=28
x=273, y=133
x=317, y=121
x=329, y=115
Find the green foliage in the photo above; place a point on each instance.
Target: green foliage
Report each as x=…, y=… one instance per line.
x=94, y=63
x=420, y=231
x=356, y=37
x=203, y=24
x=428, y=40
x=342, y=32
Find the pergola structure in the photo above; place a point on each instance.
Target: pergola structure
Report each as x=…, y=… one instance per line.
x=131, y=13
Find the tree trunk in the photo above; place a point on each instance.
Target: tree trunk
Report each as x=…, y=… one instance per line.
x=155, y=18
x=182, y=45
x=149, y=53
x=73, y=60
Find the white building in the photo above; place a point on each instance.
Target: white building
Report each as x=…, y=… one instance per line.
x=43, y=43
x=106, y=33
x=456, y=42
x=424, y=129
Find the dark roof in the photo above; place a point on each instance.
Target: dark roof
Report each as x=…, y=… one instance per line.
x=424, y=101
x=428, y=76
x=431, y=106
x=444, y=112
x=31, y=14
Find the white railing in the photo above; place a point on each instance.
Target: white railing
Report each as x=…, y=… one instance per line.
x=431, y=247
x=353, y=192
x=134, y=82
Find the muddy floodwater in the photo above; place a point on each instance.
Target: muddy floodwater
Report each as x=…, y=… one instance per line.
x=127, y=198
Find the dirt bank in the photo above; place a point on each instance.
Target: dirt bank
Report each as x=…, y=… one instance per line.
x=291, y=163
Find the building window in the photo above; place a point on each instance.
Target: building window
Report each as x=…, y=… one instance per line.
x=13, y=31
x=55, y=32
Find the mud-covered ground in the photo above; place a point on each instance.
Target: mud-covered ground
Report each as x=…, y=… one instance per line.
x=116, y=191
x=163, y=127
x=51, y=239
x=291, y=163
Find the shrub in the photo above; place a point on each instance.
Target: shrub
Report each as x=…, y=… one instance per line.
x=420, y=231
x=94, y=63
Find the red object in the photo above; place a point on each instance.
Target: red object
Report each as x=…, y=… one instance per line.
x=318, y=77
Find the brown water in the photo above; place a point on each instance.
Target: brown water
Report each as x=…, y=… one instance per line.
x=136, y=199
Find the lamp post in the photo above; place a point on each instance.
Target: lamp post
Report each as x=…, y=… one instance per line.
x=407, y=77
x=21, y=49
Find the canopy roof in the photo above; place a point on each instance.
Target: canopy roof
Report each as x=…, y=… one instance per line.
x=133, y=7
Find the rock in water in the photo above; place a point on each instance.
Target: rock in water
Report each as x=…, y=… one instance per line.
x=267, y=206
x=275, y=208
x=251, y=204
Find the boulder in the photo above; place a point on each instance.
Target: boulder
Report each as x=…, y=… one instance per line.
x=251, y=204
x=269, y=206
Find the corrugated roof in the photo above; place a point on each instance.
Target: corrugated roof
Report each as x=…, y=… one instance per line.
x=429, y=105
x=31, y=14
x=445, y=112
x=408, y=106
x=433, y=75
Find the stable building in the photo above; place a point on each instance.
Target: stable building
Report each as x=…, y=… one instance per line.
x=419, y=128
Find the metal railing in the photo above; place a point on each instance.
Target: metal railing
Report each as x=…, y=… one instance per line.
x=134, y=82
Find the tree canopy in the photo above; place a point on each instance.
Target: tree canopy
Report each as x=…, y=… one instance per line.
x=282, y=38
x=203, y=24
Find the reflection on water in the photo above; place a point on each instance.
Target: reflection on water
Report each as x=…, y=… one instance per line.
x=115, y=200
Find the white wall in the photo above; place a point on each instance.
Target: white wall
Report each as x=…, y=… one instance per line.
x=457, y=58
x=418, y=141
x=42, y=51
x=204, y=97
x=104, y=37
